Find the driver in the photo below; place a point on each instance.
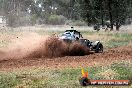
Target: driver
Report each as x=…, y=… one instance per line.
x=72, y=33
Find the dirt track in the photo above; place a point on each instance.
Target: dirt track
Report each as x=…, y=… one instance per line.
x=105, y=58
x=26, y=44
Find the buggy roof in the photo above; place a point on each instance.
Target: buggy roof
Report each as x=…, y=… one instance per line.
x=72, y=31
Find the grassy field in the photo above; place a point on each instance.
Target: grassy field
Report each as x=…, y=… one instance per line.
x=67, y=77
x=109, y=39
x=63, y=78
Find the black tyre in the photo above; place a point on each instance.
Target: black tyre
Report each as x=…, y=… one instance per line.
x=85, y=42
x=99, y=48
x=84, y=81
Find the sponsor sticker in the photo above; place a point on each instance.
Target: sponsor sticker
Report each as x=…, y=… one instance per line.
x=86, y=81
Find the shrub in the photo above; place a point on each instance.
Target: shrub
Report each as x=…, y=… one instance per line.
x=33, y=19
x=79, y=23
x=22, y=19
x=56, y=20
x=76, y=23
x=69, y=22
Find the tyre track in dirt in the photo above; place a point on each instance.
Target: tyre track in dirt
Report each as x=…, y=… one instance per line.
x=105, y=58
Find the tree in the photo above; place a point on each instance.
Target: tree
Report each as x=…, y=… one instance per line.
x=13, y=10
x=91, y=11
x=113, y=10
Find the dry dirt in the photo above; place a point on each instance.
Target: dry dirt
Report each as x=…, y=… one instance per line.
x=47, y=52
x=107, y=57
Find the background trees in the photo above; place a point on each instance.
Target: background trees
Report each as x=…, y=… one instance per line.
x=30, y=12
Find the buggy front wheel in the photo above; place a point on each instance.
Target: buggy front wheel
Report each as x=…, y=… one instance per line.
x=99, y=48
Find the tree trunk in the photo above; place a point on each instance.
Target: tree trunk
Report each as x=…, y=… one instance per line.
x=102, y=13
x=110, y=15
x=102, y=18
x=117, y=26
x=102, y=21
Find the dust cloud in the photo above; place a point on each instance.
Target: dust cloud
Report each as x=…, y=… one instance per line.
x=36, y=46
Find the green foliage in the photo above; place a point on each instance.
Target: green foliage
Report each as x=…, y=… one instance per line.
x=56, y=20
x=114, y=10
x=91, y=11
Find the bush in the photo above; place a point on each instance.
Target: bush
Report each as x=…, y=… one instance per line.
x=69, y=22
x=56, y=20
x=79, y=23
x=33, y=19
x=76, y=23
x=22, y=19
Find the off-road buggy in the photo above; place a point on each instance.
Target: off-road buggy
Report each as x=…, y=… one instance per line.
x=73, y=35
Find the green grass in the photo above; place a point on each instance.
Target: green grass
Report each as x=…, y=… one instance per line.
x=123, y=69
x=8, y=80
x=111, y=44
x=60, y=78
x=120, y=39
